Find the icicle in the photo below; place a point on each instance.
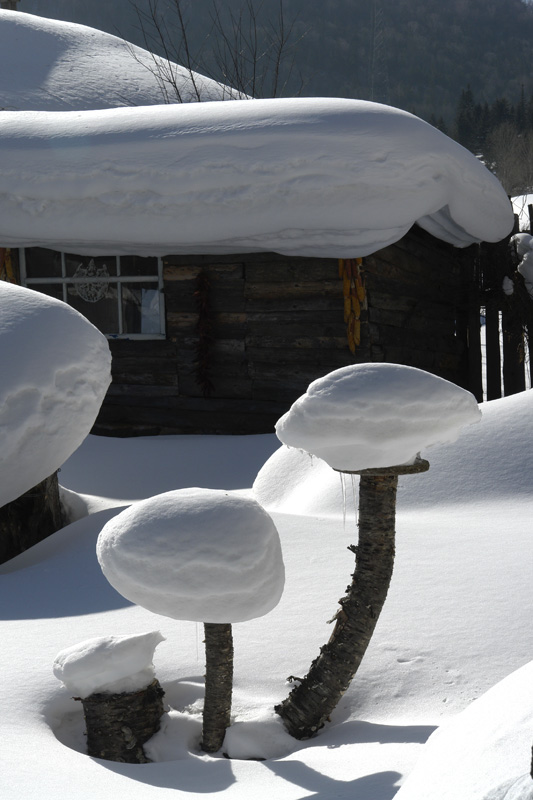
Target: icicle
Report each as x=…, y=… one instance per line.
x=355, y=504
x=197, y=644
x=343, y=490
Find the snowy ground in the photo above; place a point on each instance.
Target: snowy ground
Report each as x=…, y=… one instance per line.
x=456, y=622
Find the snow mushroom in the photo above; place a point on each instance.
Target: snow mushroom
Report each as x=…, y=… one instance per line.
x=55, y=373
x=204, y=555
x=370, y=419
x=373, y=415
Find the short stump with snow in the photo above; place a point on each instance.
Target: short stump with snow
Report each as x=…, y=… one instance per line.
x=108, y=664
x=195, y=554
x=55, y=373
x=366, y=416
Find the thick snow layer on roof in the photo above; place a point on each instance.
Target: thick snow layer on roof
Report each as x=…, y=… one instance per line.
x=48, y=65
x=376, y=415
x=195, y=554
x=315, y=177
x=55, y=373
x=112, y=664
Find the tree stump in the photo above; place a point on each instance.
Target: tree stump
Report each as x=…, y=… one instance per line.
x=30, y=518
x=118, y=725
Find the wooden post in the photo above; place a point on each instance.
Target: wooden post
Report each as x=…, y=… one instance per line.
x=475, y=383
x=513, y=355
x=492, y=351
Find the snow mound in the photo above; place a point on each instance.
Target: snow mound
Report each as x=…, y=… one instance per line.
x=305, y=176
x=523, y=243
x=70, y=67
x=111, y=664
x=195, y=554
x=483, y=753
x=514, y=789
x=376, y=415
x=55, y=373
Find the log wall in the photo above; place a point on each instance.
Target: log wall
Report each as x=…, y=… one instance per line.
x=246, y=335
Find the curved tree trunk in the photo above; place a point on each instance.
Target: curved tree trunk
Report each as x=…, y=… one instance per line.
x=218, y=684
x=310, y=703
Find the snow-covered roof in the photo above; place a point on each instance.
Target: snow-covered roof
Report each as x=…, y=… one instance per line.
x=307, y=176
x=49, y=65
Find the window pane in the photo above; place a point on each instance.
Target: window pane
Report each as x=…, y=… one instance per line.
x=135, y=265
x=89, y=266
x=97, y=302
x=52, y=290
x=42, y=263
x=141, y=308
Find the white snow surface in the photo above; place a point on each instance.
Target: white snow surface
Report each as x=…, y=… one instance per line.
x=55, y=373
x=195, y=554
x=49, y=65
x=473, y=755
x=301, y=176
x=111, y=664
x=376, y=415
x=455, y=623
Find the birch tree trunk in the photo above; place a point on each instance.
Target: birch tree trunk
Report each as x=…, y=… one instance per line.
x=309, y=704
x=218, y=684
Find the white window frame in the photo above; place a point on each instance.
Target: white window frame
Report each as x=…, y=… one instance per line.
x=117, y=279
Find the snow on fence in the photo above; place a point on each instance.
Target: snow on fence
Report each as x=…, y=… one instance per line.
x=500, y=322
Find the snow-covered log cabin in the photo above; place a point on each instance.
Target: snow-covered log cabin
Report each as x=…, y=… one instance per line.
x=234, y=251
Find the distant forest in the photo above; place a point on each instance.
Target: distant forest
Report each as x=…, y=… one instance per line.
x=415, y=54
x=464, y=65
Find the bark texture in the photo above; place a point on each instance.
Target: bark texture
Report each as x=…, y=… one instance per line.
x=218, y=685
x=118, y=725
x=309, y=705
x=30, y=518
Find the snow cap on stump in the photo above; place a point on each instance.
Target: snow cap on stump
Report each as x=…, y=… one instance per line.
x=195, y=554
x=108, y=664
x=376, y=415
x=55, y=373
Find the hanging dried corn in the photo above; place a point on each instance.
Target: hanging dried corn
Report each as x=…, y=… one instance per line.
x=354, y=298
x=6, y=266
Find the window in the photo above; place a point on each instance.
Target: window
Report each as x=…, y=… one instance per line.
x=120, y=295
